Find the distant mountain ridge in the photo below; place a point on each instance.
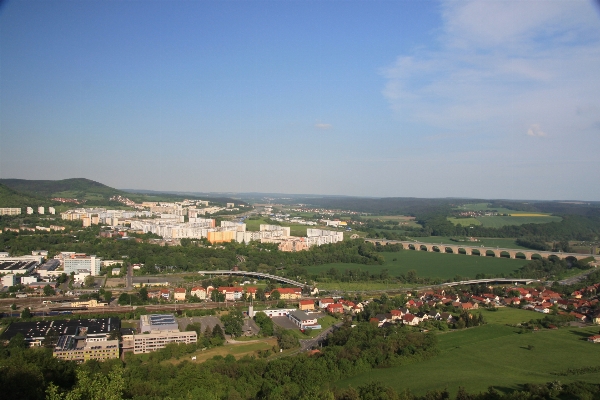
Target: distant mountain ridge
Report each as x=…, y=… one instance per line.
x=94, y=193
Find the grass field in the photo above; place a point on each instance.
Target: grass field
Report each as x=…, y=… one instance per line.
x=464, y=221
x=432, y=265
x=488, y=242
x=237, y=350
x=493, y=355
x=400, y=219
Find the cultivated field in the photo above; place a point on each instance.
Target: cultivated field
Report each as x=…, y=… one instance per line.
x=494, y=355
x=513, y=217
x=434, y=265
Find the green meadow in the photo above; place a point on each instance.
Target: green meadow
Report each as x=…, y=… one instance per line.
x=434, y=265
x=494, y=355
x=488, y=242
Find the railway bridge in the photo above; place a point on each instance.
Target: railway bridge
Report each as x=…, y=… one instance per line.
x=258, y=275
x=472, y=250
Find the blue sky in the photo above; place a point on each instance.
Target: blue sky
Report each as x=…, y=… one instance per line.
x=494, y=99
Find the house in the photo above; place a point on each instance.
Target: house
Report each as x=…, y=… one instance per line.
x=323, y=303
x=251, y=292
x=154, y=294
x=541, y=309
x=446, y=316
x=348, y=305
x=396, y=315
x=594, y=339
x=165, y=294
x=179, y=294
x=289, y=293
x=199, y=292
x=468, y=306
x=410, y=319
x=433, y=315
x=335, y=308
x=231, y=293
x=306, y=305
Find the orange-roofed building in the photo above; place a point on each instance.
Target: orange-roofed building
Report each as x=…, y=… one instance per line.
x=306, y=305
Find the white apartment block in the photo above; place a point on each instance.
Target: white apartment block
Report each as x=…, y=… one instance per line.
x=52, y=210
x=29, y=210
x=10, y=211
x=41, y=210
x=76, y=262
x=156, y=340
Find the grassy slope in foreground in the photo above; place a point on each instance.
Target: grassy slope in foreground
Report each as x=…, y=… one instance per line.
x=433, y=265
x=493, y=355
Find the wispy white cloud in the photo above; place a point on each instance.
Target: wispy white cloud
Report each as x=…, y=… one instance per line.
x=536, y=131
x=502, y=68
x=321, y=125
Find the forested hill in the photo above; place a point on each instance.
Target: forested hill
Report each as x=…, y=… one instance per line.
x=419, y=207
x=12, y=198
x=79, y=188
x=388, y=205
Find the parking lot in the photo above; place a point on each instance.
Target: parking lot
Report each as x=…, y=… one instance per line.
x=209, y=321
x=284, y=322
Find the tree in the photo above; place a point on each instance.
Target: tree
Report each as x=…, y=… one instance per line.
x=286, y=339
x=107, y=296
x=275, y=295
x=92, y=386
x=26, y=314
x=264, y=322
x=89, y=281
x=13, y=306
x=17, y=341
x=233, y=323
x=48, y=291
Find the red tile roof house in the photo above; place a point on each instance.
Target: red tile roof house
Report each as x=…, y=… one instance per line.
x=468, y=306
x=335, y=308
x=165, y=293
x=396, y=315
x=305, y=305
x=594, y=339
x=410, y=319
x=179, y=294
x=323, y=303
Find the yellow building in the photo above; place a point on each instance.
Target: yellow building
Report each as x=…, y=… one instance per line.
x=220, y=237
x=73, y=348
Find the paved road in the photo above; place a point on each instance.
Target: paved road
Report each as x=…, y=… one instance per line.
x=307, y=344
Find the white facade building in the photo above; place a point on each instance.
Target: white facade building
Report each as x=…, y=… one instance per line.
x=77, y=262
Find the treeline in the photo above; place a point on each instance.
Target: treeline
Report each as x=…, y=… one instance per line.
x=571, y=227
x=552, y=268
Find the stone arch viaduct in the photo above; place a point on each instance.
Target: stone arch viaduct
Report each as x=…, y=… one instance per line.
x=480, y=250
